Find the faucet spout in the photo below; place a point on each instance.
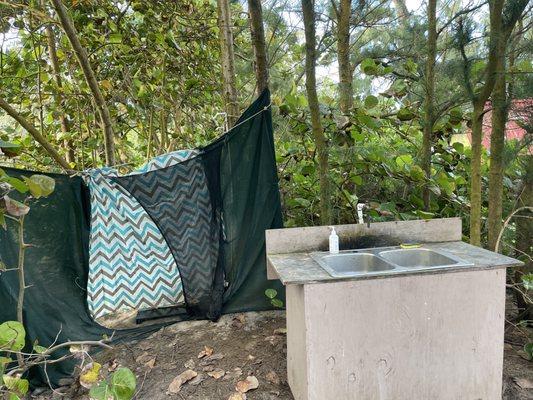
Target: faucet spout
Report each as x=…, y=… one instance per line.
x=360, y=208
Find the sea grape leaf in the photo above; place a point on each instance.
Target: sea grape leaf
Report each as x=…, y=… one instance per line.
x=123, y=384
x=12, y=336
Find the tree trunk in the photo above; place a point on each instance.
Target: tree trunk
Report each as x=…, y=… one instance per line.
x=258, y=43
x=58, y=97
x=312, y=98
x=497, y=143
x=68, y=26
x=163, y=139
x=524, y=233
x=228, y=61
x=343, y=56
x=34, y=132
x=429, y=101
x=475, y=179
x=501, y=27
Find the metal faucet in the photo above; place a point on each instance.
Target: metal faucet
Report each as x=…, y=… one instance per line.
x=360, y=217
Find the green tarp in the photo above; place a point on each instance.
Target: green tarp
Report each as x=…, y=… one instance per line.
x=241, y=171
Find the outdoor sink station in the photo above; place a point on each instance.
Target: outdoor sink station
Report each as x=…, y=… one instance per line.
x=380, y=320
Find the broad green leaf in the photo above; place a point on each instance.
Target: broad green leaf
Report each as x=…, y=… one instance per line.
x=404, y=160
x=356, y=179
x=123, y=384
x=102, y=391
x=417, y=173
x=115, y=38
x=303, y=202
x=277, y=303
x=8, y=145
x=456, y=116
x=12, y=336
x=3, y=362
x=35, y=189
x=16, y=183
x=410, y=66
x=45, y=184
x=369, y=67
x=425, y=214
x=405, y=114
x=38, y=349
x=371, y=101
x=3, y=220
x=445, y=183
x=271, y=293
x=527, y=281
x=16, y=385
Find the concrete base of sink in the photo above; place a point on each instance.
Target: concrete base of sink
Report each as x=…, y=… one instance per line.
x=437, y=336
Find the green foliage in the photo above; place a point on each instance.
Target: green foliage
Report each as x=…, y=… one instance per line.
x=120, y=386
x=40, y=185
x=12, y=336
x=271, y=294
x=16, y=386
x=527, y=281
x=12, y=339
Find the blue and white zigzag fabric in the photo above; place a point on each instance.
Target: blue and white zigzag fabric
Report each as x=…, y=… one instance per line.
x=130, y=263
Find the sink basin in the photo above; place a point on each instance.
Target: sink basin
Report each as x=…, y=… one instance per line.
x=385, y=261
x=416, y=258
x=353, y=264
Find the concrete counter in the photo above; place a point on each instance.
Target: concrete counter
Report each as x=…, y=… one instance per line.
x=300, y=268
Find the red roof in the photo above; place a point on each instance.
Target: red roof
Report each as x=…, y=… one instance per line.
x=520, y=112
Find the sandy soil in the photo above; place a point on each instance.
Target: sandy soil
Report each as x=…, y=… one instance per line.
x=250, y=344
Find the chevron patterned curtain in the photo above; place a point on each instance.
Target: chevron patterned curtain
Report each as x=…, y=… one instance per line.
x=178, y=200
x=130, y=264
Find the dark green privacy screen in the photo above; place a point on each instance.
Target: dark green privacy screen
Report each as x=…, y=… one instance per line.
x=241, y=173
x=244, y=164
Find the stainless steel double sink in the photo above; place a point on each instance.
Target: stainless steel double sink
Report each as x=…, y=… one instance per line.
x=385, y=260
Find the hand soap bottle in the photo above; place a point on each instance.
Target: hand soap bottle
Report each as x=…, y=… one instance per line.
x=333, y=241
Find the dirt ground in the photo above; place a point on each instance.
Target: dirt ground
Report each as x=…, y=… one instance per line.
x=238, y=346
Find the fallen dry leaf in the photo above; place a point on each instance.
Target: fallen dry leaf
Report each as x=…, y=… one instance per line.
x=178, y=381
x=207, y=351
x=197, y=380
x=237, y=396
x=238, y=321
x=232, y=374
x=150, y=363
x=524, y=383
x=250, y=383
x=145, y=345
x=214, y=357
x=143, y=358
x=273, y=378
x=217, y=373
